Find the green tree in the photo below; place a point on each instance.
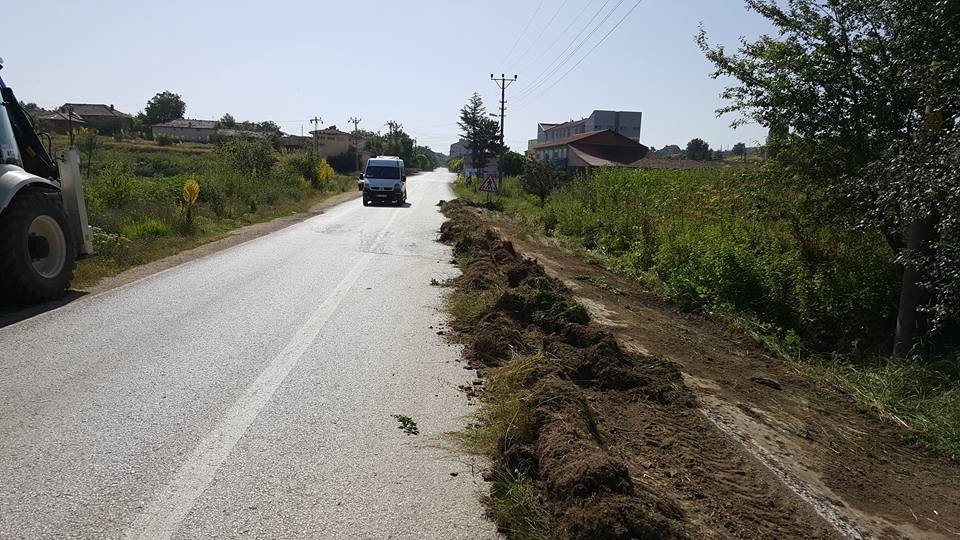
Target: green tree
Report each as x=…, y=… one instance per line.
x=164, y=107
x=698, y=150
x=251, y=157
x=88, y=144
x=228, y=121
x=863, y=98
x=540, y=178
x=740, y=149
x=512, y=164
x=480, y=134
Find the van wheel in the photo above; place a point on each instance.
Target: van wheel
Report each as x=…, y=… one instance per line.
x=366, y=201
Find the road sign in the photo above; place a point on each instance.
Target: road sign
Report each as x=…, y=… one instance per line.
x=490, y=185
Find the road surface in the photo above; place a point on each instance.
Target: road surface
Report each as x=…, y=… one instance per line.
x=249, y=394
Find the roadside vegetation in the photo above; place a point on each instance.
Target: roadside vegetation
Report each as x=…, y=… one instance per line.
x=147, y=200
x=734, y=243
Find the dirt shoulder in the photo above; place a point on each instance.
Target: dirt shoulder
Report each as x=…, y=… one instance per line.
x=742, y=444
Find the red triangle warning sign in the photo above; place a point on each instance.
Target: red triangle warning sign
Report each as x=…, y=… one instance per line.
x=490, y=185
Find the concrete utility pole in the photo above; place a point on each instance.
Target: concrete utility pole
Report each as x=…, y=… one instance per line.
x=316, y=121
x=356, y=129
x=503, y=82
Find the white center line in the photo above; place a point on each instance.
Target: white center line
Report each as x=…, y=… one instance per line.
x=162, y=519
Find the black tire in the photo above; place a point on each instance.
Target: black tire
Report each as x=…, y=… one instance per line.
x=20, y=281
x=366, y=201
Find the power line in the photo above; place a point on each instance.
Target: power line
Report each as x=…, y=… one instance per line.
x=542, y=31
x=560, y=36
x=525, y=28
x=574, y=52
x=539, y=77
x=584, y=57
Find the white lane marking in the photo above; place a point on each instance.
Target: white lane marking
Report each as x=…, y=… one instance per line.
x=162, y=519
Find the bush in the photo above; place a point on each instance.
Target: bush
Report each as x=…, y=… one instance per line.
x=163, y=139
x=327, y=175
x=148, y=227
x=344, y=163
x=296, y=165
x=252, y=157
x=455, y=165
x=719, y=237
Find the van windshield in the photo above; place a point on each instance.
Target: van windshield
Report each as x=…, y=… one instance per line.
x=386, y=173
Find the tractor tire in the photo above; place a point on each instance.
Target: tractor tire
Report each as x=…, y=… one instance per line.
x=37, y=252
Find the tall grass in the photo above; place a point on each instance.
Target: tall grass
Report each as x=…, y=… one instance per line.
x=135, y=197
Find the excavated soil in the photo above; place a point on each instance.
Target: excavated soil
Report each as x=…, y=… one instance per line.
x=618, y=447
x=658, y=423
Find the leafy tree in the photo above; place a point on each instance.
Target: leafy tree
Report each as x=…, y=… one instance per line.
x=481, y=135
x=740, y=149
x=164, y=107
x=455, y=165
x=512, y=163
x=344, y=163
x=540, y=178
x=698, y=150
x=228, y=121
x=862, y=99
x=252, y=157
x=88, y=144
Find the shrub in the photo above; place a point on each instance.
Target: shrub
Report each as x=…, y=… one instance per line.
x=327, y=175
x=252, y=157
x=163, y=139
x=149, y=227
x=293, y=166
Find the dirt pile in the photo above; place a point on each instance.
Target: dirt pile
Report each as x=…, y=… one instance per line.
x=611, y=441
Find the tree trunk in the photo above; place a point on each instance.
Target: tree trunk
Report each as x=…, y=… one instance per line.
x=921, y=232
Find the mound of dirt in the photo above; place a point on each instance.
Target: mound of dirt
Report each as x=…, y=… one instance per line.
x=588, y=492
x=615, y=445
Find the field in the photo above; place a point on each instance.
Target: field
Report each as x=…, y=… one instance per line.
x=141, y=212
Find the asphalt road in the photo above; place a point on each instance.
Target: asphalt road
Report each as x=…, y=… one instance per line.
x=249, y=394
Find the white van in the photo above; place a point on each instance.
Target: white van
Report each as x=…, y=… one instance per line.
x=384, y=180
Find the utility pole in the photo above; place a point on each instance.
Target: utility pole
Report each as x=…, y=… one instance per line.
x=356, y=130
x=503, y=82
x=316, y=121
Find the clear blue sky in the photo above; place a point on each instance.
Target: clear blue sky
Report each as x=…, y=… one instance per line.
x=414, y=62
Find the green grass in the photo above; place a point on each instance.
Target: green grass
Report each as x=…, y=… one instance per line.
x=516, y=507
x=149, y=227
x=506, y=418
x=468, y=307
x=923, y=399
x=134, y=197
